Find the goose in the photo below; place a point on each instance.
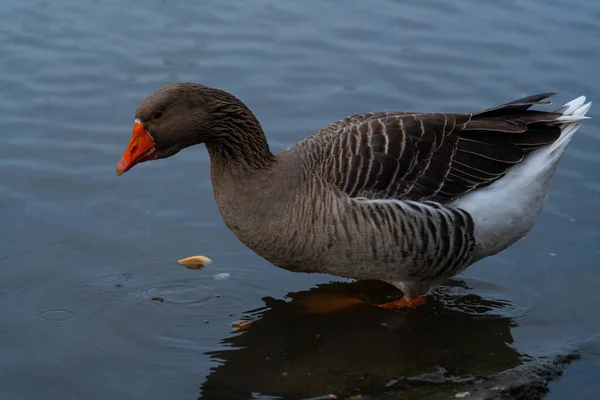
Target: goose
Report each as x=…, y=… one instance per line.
x=407, y=198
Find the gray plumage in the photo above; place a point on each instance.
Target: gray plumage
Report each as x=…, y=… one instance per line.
x=372, y=196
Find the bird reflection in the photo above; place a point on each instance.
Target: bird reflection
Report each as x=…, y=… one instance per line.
x=294, y=350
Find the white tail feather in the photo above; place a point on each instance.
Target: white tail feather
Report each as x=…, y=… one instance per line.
x=573, y=112
x=507, y=209
x=570, y=107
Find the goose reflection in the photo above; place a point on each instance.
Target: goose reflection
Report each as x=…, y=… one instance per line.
x=296, y=349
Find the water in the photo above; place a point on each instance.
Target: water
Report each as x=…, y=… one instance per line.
x=86, y=257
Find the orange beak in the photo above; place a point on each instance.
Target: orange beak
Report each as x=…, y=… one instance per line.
x=141, y=148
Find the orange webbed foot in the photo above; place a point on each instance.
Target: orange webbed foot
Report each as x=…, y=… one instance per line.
x=404, y=303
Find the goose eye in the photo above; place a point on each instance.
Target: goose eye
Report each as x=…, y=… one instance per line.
x=157, y=114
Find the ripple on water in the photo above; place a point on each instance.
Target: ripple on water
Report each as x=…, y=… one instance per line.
x=493, y=298
x=179, y=292
x=99, y=289
x=136, y=314
x=56, y=315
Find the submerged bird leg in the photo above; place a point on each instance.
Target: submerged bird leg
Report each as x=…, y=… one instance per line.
x=326, y=303
x=404, y=302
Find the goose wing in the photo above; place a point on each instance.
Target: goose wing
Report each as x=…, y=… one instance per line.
x=430, y=156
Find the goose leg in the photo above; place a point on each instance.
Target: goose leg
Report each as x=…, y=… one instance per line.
x=415, y=294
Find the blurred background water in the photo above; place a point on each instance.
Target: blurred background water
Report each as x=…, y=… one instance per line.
x=93, y=304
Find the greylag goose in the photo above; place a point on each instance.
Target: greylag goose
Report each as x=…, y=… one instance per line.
x=407, y=198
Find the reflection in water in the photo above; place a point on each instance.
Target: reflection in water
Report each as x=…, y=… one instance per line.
x=288, y=350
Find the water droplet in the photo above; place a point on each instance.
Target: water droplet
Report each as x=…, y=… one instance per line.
x=222, y=276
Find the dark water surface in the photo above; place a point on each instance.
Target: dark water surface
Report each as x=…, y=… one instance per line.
x=83, y=253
